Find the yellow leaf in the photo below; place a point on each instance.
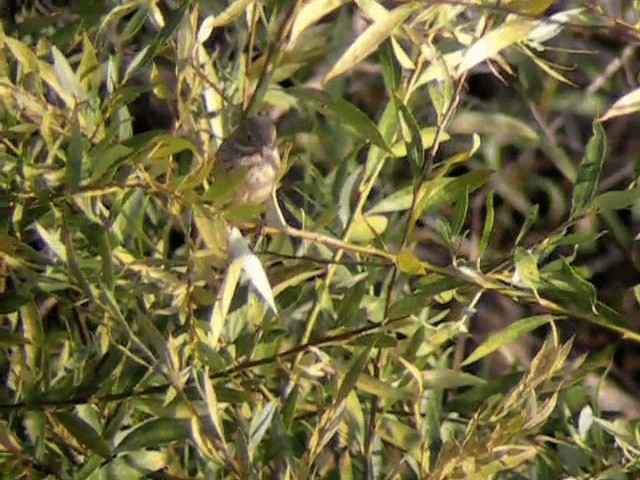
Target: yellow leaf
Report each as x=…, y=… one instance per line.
x=370, y=39
x=510, y=32
x=409, y=264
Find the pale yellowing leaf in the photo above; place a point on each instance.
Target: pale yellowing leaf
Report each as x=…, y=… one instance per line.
x=493, y=42
x=22, y=53
x=310, y=13
x=629, y=103
x=241, y=254
x=225, y=17
x=370, y=40
x=368, y=228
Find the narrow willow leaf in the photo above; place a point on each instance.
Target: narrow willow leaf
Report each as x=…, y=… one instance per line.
x=505, y=129
x=84, y=433
x=629, y=103
x=446, y=378
x=353, y=373
x=532, y=218
x=616, y=199
x=396, y=202
x=532, y=7
x=589, y=171
x=526, y=268
x=310, y=13
x=488, y=226
x=22, y=53
x=371, y=39
x=413, y=142
x=241, y=254
x=67, y=77
x=260, y=423
x=548, y=28
x=346, y=114
x=73, y=166
x=445, y=191
x=506, y=335
x=225, y=17
x=154, y=433
x=507, y=34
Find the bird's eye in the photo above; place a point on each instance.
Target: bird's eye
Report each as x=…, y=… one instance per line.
x=249, y=137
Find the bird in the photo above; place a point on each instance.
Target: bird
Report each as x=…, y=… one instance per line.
x=249, y=155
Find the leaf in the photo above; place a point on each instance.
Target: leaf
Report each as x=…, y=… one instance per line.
x=242, y=255
x=415, y=149
x=507, y=34
x=629, y=103
x=22, y=53
x=367, y=228
x=589, y=171
x=506, y=130
x=445, y=191
x=73, y=167
x=310, y=13
x=225, y=17
x=531, y=219
x=154, y=433
x=488, y=226
x=353, y=374
x=260, y=423
x=506, y=335
x=371, y=39
x=396, y=202
x=346, y=114
x=84, y=433
x=67, y=77
x=616, y=199
x=526, y=269
x=446, y=378
x=408, y=263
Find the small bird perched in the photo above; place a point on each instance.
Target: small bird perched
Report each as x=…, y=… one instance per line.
x=250, y=150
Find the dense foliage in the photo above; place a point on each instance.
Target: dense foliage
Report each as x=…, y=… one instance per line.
x=456, y=294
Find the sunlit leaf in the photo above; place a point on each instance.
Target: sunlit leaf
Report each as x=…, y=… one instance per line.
x=368, y=41
x=506, y=335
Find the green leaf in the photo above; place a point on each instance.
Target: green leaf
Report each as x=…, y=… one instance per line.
x=527, y=268
x=73, y=167
x=84, y=433
x=446, y=378
x=616, y=199
x=260, y=423
x=413, y=142
x=154, y=433
x=353, y=374
x=345, y=114
x=505, y=129
x=11, y=339
x=532, y=218
x=506, y=335
x=445, y=191
x=488, y=226
x=589, y=171
x=371, y=39
x=418, y=301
